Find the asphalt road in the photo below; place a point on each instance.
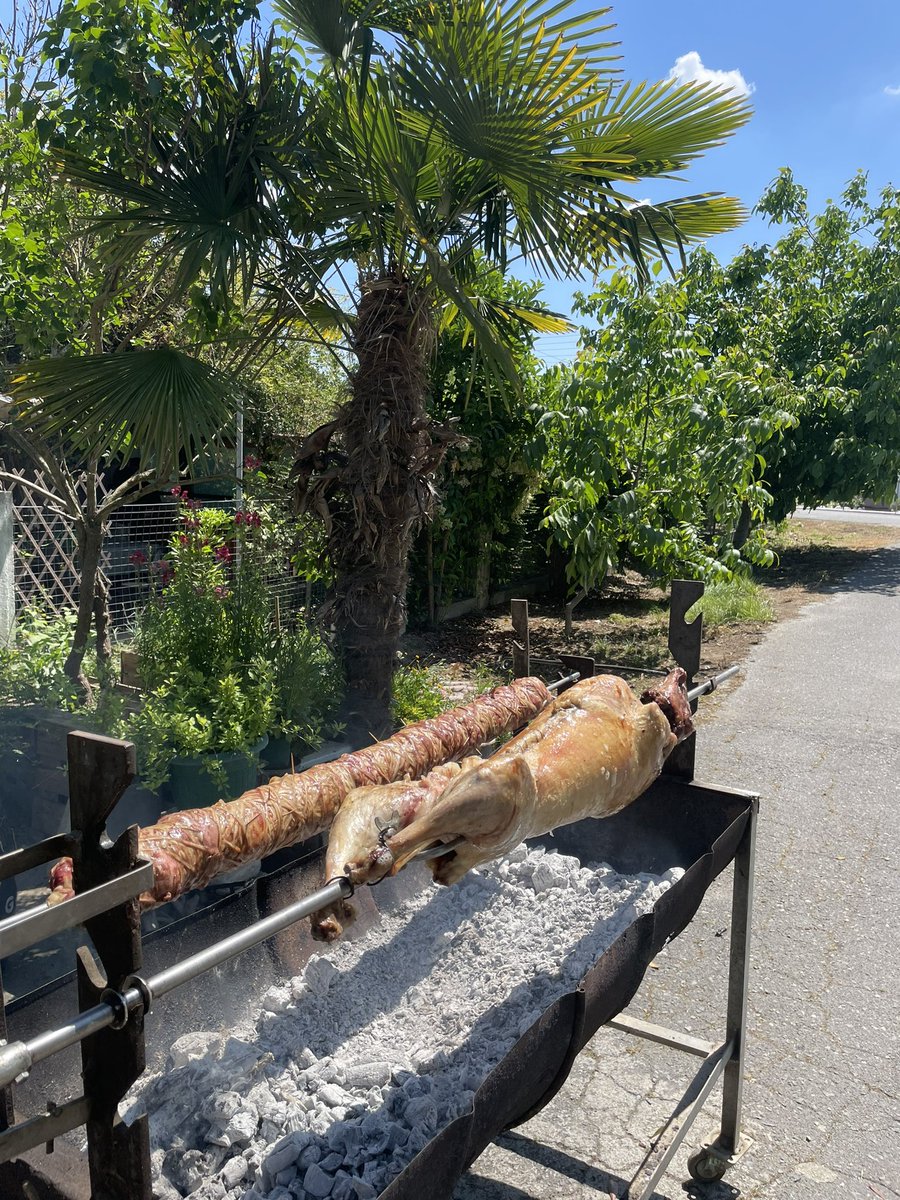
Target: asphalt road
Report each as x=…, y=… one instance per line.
x=851, y=516
x=815, y=729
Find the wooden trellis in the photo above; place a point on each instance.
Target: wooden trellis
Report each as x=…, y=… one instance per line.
x=45, y=558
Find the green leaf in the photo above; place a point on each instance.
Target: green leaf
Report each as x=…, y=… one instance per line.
x=161, y=400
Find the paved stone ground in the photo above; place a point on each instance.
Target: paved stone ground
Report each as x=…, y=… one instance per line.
x=815, y=729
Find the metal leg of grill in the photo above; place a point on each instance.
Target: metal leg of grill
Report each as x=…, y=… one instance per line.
x=725, y=1061
x=727, y=1145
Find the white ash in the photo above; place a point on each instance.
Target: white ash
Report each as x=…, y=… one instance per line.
x=356, y=1063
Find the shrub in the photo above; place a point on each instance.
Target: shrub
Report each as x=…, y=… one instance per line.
x=308, y=685
x=417, y=695
x=188, y=715
x=32, y=664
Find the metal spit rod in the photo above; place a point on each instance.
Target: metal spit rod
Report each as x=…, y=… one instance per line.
x=18, y=1058
x=710, y=685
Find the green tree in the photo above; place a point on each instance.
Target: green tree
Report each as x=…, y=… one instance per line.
x=381, y=172
x=652, y=444
x=487, y=477
x=821, y=307
x=59, y=296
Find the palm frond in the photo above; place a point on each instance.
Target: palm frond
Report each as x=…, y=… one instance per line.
x=643, y=232
x=208, y=198
x=162, y=400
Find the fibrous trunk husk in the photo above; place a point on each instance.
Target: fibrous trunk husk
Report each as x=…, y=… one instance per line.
x=387, y=490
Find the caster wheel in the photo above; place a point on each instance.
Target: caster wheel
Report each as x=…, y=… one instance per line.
x=705, y=1167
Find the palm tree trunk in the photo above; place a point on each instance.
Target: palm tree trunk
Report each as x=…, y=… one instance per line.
x=384, y=431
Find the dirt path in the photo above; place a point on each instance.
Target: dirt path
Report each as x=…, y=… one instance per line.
x=627, y=624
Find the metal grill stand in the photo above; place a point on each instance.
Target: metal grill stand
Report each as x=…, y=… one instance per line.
x=113, y=1001
x=723, y=1060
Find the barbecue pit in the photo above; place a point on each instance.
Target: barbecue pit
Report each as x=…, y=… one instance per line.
x=676, y=823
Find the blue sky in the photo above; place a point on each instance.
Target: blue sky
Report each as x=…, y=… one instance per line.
x=818, y=70
x=821, y=75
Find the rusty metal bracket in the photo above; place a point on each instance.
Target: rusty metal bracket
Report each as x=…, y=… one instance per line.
x=100, y=770
x=685, y=643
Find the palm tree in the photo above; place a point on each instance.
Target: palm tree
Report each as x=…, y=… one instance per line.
x=426, y=138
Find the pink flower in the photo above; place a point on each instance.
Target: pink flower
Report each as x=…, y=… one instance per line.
x=221, y=592
x=252, y=463
x=238, y=517
x=223, y=554
x=138, y=558
x=178, y=491
x=253, y=518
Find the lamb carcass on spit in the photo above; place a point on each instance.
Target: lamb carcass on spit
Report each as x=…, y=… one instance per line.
x=591, y=752
x=188, y=849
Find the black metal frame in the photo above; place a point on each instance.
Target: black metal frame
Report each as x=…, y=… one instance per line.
x=723, y=1060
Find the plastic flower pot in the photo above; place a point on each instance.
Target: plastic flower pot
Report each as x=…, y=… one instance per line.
x=192, y=785
x=277, y=754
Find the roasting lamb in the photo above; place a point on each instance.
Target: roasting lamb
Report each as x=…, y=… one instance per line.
x=588, y=754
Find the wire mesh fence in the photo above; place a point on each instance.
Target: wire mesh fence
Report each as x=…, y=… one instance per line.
x=46, y=560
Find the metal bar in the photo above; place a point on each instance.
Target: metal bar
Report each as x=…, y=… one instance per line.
x=738, y=983
x=18, y=1058
x=710, y=685
x=630, y=670
x=220, y=952
x=666, y=1145
x=665, y=1037
x=17, y=861
x=521, y=650
x=35, y=924
x=6, y=1097
x=565, y=682
x=38, y=1130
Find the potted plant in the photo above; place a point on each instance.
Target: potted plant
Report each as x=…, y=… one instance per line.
x=202, y=642
x=203, y=734
x=308, y=689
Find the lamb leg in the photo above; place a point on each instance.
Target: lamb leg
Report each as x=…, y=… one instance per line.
x=671, y=697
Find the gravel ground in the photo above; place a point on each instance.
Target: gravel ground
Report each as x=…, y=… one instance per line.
x=815, y=728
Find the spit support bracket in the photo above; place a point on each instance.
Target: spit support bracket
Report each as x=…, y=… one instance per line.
x=685, y=644
x=108, y=878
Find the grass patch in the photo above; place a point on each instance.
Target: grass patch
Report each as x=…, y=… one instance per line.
x=735, y=602
x=634, y=644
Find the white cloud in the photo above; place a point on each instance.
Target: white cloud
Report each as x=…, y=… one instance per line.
x=689, y=68
x=892, y=90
